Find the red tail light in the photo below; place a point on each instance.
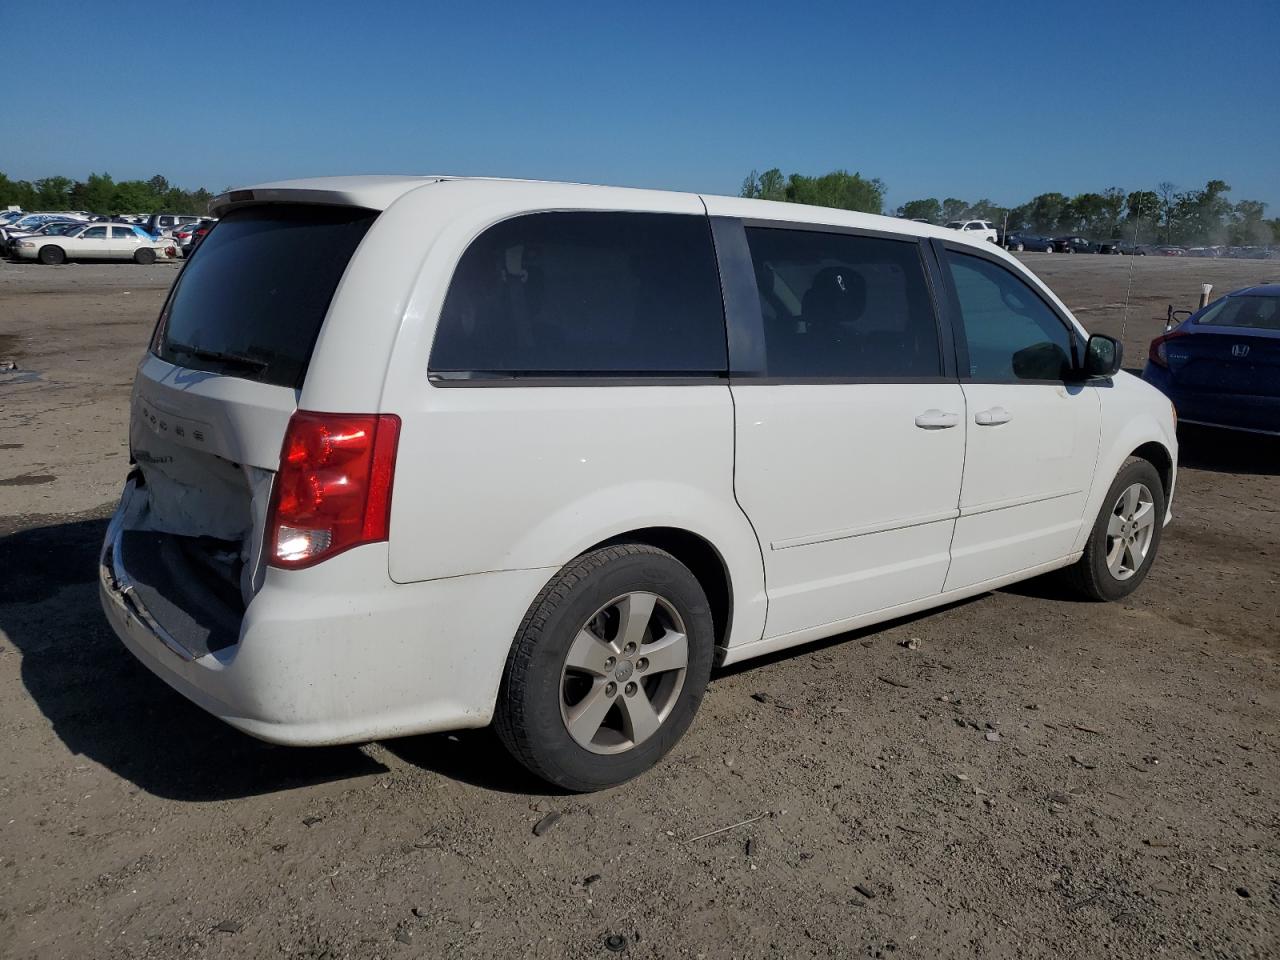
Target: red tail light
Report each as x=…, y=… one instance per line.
x=333, y=491
x=1157, y=353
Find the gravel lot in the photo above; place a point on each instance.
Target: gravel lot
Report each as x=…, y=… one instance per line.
x=1129, y=806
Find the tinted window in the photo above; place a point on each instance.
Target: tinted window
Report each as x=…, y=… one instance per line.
x=583, y=293
x=836, y=305
x=95, y=233
x=258, y=291
x=121, y=233
x=1257, y=313
x=1011, y=333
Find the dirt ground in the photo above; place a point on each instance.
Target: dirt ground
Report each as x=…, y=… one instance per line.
x=1127, y=808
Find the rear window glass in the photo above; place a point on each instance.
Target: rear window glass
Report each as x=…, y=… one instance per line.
x=584, y=293
x=836, y=305
x=1255, y=313
x=250, y=301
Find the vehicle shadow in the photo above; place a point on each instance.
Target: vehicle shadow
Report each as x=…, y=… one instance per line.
x=478, y=758
x=474, y=757
x=1228, y=451
x=815, y=646
x=1047, y=586
x=106, y=706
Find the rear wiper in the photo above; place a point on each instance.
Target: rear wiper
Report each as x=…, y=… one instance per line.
x=242, y=360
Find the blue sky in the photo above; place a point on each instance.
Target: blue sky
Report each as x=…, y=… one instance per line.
x=998, y=100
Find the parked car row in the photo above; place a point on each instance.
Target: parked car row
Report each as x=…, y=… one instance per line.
x=16, y=225
x=1255, y=252
x=1038, y=243
x=1033, y=242
x=55, y=237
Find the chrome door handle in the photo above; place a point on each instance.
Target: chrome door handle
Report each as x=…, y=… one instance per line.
x=935, y=419
x=993, y=417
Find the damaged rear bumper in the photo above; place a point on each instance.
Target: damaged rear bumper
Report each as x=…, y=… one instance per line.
x=336, y=653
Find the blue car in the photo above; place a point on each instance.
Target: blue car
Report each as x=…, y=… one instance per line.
x=1221, y=366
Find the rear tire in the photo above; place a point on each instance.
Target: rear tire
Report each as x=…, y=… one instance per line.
x=52, y=255
x=1125, y=537
x=144, y=256
x=607, y=669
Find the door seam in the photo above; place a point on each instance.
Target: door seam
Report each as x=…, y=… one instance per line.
x=964, y=459
x=764, y=567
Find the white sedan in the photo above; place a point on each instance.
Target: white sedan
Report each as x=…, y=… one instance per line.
x=96, y=241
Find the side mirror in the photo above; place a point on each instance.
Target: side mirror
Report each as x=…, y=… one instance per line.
x=1103, y=356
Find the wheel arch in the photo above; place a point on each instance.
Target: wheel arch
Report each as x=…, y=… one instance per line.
x=703, y=560
x=1156, y=454
x=1131, y=429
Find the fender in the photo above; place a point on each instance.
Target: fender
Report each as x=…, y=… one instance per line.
x=620, y=509
x=1133, y=413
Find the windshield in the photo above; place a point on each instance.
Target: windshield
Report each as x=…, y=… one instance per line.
x=1256, y=313
x=955, y=224
x=252, y=298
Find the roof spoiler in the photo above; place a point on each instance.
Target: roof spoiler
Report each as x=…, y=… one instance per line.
x=364, y=196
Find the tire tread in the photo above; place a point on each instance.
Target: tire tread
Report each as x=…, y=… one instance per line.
x=508, y=719
x=1085, y=577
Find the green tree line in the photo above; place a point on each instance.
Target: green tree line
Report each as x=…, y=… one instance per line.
x=99, y=193
x=1163, y=215
x=847, y=191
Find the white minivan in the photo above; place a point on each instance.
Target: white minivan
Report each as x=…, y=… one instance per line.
x=420, y=454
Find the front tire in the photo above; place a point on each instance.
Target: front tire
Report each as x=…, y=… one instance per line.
x=607, y=669
x=52, y=256
x=1125, y=537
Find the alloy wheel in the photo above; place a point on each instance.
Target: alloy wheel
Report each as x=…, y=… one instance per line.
x=623, y=673
x=1130, y=530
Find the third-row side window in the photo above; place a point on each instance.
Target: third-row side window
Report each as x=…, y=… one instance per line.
x=843, y=306
x=582, y=293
